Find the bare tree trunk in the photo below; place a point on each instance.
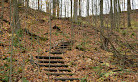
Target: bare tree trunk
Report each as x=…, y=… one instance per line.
x=38, y=5
x=16, y=15
x=79, y=7
x=65, y=9
x=115, y=13
x=101, y=13
x=119, y=8
x=58, y=8
x=92, y=6
x=27, y=3
x=104, y=41
x=61, y=9
x=75, y=10
x=118, y=14
x=111, y=15
x=128, y=13
x=71, y=8
x=87, y=7
x=47, y=6
x=54, y=8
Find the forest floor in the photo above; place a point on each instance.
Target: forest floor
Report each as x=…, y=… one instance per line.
x=89, y=62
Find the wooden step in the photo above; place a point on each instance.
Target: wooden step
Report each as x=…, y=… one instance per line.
x=63, y=47
x=53, y=65
x=57, y=74
x=56, y=52
x=64, y=79
x=56, y=70
x=50, y=59
x=42, y=68
x=47, y=57
x=51, y=62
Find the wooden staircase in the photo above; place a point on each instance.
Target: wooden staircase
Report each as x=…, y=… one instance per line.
x=54, y=65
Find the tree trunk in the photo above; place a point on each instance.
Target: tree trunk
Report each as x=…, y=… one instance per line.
x=54, y=8
x=65, y=9
x=16, y=15
x=47, y=6
x=128, y=13
x=58, y=8
x=79, y=7
x=61, y=9
x=38, y=5
x=71, y=8
x=101, y=13
x=115, y=13
x=118, y=14
x=119, y=8
x=27, y=3
x=87, y=7
x=92, y=6
x=111, y=15
x=104, y=44
x=75, y=10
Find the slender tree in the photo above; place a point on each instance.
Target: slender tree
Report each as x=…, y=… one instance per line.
x=88, y=7
x=38, y=4
x=75, y=10
x=92, y=6
x=65, y=9
x=79, y=7
x=71, y=7
x=27, y=3
x=58, y=8
x=47, y=6
x=128, y=13
x=111, y=15
x=16, y=14
x=119, y=8
x=115, y=13
x=54, y=8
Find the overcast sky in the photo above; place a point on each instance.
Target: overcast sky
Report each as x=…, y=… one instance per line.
x=33, y=4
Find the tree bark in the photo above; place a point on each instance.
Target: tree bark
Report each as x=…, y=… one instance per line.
x=54, y=8
x=38, y=5
x=79, y=7
x=58, y=8
x=87, y=7
x=104, y=41
x=111, y=15
x=27, y=3
x=71, y=8
x=75, y=10
x=16, y=15
x=128, y=13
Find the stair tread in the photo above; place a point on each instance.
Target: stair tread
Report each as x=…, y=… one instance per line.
x=63, y=79
x=60, y=73
x=51, y=61
x=56, y=52
x=53, y=65
x=55, y=70
x=49, y=57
